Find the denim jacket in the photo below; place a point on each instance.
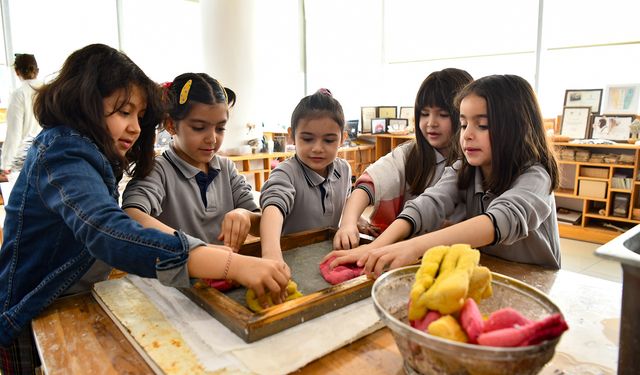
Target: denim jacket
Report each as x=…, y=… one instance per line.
x=62, y=215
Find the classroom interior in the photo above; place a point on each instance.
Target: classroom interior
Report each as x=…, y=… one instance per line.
x=375, y=54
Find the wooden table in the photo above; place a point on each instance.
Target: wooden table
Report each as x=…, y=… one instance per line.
x=75, y=336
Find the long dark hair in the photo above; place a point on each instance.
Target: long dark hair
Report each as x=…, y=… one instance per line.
x=202, y=89
x=75, y=99
x=516, y=132
x=437, y=90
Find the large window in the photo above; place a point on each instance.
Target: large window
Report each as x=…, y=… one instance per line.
x=377, y=52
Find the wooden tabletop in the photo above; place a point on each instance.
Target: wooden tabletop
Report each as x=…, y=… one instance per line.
x=75, y=336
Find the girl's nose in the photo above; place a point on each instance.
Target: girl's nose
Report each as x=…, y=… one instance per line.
x=134, y=126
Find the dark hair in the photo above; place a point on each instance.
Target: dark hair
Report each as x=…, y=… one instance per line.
x=319, y=104
x=516, y=132
x=437, y=90
x=26, y=65
x=75, y=99
x=202, y=89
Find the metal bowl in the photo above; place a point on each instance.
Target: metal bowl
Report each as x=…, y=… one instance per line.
x=427, y=354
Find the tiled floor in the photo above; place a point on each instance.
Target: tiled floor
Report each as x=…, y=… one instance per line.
x=578, y=256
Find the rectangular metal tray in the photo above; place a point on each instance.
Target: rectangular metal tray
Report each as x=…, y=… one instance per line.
x=303, y=253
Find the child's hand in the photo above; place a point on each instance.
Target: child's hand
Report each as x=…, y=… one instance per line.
x=388, y=257
x=365, y=227
x=347, y=237
x=278, y=258
x=235, y=227
x=261, y=275
x=348, y=256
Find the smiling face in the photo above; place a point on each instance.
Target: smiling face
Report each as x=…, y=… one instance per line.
x=198, y=137
x=435, y=125
x=474, y=133
x=123, y=121
x=317, y=141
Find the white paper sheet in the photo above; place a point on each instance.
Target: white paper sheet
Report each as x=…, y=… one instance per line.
x=218, y=348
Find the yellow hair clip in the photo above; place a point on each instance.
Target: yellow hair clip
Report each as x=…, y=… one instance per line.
x=184, y=93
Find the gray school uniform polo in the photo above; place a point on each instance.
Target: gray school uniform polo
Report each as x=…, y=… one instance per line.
x=297, y=192
x=171, y=194
x=524, y=216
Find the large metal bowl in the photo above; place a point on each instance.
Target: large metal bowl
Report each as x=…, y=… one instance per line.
x=427, y=354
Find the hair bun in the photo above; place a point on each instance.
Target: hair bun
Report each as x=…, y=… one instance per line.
x=326, y=92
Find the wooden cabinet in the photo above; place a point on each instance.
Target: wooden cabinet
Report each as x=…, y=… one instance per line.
x=359, y=157
x=384, y=143
x=601, y=182
x=257, y=167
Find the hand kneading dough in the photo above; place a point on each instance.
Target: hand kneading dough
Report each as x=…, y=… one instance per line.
x=339, y=273
x=254, y=305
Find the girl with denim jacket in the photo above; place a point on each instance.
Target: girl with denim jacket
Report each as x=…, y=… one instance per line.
x=505, y=183
x=63, y=224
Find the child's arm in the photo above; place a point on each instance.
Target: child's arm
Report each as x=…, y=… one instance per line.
x=147, y=220
x=261, y=275
x=348, y=236
x=270, y=231
x=236, y=225
x=398, y=230
x=477, y=232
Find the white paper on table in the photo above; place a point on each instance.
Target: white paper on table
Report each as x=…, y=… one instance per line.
x=218, y=348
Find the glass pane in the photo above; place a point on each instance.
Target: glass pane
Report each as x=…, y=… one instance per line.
x=426, y=30
x=35, y=29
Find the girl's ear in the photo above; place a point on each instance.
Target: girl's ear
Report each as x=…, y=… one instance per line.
x=290, y=135
x=170, y=125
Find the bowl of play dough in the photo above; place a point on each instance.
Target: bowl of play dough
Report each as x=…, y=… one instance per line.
x=424, y=353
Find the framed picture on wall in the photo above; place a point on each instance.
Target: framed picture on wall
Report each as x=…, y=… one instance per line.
x=584, y=98
x=378, y=125
x=622, y=99
x=366, y=114
x=408, y=113
x=388, y=112
x=612, y=127
x=575, y=122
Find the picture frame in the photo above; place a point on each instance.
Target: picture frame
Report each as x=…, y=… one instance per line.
x=622, y=99
x=378, y=125
x=398, y=126
x=575, y=122
x=409, y=114
x=584, y=98
x=351, y=127
x=366, y=114
x=612, y=127
x=387, y=112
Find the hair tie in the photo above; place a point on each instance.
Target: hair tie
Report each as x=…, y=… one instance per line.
x=166, y=85
x=226, y=98
x=184, y=93
x=326, y=92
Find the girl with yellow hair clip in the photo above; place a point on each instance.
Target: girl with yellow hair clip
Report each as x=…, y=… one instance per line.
x=191, y=188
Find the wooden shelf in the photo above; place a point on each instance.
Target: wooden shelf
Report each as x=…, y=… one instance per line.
x=590, y=227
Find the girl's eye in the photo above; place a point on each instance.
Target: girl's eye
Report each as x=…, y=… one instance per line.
x=424, y=114
x=307, y=140
x=221, y=130
x=484, y=127
x=463, y=126
x=444, y=114
x=329, y=141
x=125, y=113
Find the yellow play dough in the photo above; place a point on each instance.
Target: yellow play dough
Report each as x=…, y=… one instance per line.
x=254, y=305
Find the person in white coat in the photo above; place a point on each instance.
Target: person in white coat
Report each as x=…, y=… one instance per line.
x=22, y=125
